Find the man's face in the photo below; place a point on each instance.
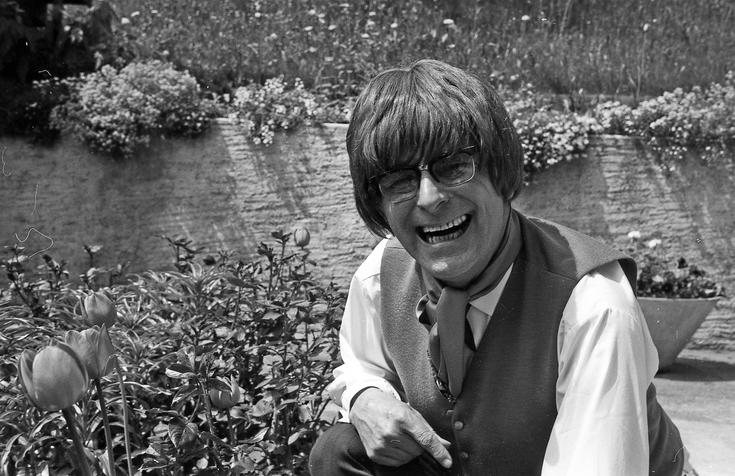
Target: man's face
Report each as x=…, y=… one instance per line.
x=452, y=232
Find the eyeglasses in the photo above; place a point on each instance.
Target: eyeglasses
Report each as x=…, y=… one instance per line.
x=450, y=170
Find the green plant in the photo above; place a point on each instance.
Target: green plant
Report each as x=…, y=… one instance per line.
x=272, y=107
x=660, y=276
x=187, y=341
x=548, y=135
x=702, y=119
x=117, y=111
x=27, y=109
x=336, y=45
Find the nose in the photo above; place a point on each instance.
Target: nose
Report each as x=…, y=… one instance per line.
x=430, y=194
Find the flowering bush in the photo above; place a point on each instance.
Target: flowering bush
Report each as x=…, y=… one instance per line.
x=116, y=111
x=275, y=106
x=702, y=119
x=659, y=277
x=548, y=135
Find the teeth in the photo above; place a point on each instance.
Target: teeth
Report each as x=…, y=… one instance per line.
x=438, y=239
x=446, y=226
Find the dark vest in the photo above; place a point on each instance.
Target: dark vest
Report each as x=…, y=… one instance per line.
x=502, y=419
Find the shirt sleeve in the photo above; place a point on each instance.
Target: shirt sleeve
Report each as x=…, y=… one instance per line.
x=607, y=360
x=366, y=361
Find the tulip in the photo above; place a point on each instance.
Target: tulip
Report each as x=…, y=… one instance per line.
x=224, y=399
x=301, y=237
x=53, y=379
x=95, y=349
x=99, y=310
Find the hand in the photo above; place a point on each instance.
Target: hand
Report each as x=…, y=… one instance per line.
x=392, y=432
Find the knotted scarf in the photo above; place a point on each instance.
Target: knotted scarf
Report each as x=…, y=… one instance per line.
x=443, y=309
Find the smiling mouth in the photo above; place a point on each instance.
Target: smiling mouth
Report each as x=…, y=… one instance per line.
x=449, y=231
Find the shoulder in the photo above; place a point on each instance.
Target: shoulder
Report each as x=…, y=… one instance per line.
x=603, y=330
x=370, y=267
x=601, y=293
x=567, y=252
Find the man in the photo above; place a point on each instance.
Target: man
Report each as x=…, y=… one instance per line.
x=476, y=340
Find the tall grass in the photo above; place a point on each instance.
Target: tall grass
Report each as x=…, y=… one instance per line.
x=625, y=47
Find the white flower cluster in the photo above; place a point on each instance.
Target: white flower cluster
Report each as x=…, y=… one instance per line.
x=676, y=121
x=273, y=107
x=550, y=137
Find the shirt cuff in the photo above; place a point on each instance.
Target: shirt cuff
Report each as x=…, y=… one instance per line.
x=351, y=392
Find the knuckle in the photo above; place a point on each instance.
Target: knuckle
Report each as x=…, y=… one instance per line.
x=425, y=438
x=400, y=414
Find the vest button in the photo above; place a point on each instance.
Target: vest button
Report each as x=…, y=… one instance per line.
x=458, y=425
x=464, y=455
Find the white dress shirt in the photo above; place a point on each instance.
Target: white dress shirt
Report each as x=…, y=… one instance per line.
x=606, y=362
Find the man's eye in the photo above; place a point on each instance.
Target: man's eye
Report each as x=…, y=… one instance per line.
x=454, y=167
x=399, y=181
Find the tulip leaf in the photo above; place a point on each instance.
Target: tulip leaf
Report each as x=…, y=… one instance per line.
x=321, y=357
x=294, y=437
x=174, y=433
x=8, y=449
x=262, y=408
x=258, y=437
x=237, y=282
x=244, y=466
x=174, y=374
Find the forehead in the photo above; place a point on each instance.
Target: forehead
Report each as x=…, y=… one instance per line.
x=419, y=147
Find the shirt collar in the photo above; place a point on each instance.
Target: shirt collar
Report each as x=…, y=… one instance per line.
x=487, y=302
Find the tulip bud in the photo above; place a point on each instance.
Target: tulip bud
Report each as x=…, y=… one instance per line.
x=94, y=348
x=53, y=379
x=301, y=237
x=226, y=399
x=99, y=310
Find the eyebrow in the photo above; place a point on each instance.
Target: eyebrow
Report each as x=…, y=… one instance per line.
x=468, y=148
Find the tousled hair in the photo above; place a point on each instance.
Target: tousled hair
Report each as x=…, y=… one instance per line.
x=405, y=116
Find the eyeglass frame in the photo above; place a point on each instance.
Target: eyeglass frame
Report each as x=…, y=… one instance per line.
x=374, y=181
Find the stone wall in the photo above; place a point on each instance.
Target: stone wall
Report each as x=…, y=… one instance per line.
x=219, y=191
x=224, y=193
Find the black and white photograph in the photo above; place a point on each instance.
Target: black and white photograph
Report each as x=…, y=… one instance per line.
x=367, y=237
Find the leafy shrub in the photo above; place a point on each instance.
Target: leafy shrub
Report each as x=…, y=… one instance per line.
x=116, y=111
x=181, y=336
x=29, y=109
x=702, y=119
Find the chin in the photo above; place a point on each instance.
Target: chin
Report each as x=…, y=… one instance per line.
x=456, y=271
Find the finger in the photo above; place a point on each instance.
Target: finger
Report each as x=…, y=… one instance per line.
x=444, y=442
x=431, y=442
x=405, y=444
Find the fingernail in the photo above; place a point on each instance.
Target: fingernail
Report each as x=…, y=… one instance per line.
x=447, y=463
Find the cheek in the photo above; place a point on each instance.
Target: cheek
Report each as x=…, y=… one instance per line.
x=399, y=221
x=392, y=214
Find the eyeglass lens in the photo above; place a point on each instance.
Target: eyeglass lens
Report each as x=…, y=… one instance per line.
x=449, y=171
